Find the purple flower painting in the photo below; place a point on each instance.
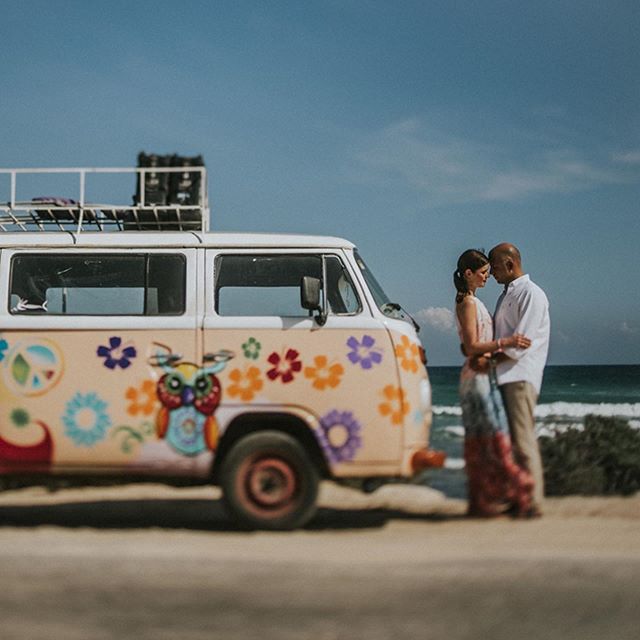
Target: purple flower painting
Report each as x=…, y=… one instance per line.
x=364, y=352
x=339, y=435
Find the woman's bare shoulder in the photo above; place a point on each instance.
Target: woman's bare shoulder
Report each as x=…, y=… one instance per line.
x=466, y=307
x=466, y=302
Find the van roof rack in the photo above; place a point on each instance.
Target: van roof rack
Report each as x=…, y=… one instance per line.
x=172, y=198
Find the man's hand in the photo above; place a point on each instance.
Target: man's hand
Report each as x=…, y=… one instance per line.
x=500, y=357
x=480, y=364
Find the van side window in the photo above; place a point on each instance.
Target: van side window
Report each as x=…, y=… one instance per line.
x=269, y=285
x=262, y=285
x=98, y=284
x=341, y=294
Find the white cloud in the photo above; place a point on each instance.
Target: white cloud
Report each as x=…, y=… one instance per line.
x=628, y=157
x=448, y=169
x=627, y=329
x=439, y=318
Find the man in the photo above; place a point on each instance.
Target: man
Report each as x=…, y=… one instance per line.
x=522, y=308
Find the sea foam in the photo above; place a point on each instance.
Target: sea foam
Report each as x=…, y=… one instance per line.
x=580, y=409
x=454, y=463
x=565, y=410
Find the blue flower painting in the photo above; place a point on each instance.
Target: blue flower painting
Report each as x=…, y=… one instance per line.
x=115, y=355
x=85, y=420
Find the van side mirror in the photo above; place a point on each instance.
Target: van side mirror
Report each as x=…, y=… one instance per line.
x=311, y=297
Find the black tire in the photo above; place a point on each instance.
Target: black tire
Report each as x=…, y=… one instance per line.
x=269, y=482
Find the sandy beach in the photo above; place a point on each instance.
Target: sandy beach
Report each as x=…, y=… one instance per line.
x=148, y=561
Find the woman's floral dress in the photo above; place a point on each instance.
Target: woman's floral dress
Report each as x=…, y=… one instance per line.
x=495, y=482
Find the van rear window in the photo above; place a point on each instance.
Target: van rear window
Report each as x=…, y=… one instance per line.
x=98, y=284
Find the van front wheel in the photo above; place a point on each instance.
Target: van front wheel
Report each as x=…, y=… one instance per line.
x=269, y=482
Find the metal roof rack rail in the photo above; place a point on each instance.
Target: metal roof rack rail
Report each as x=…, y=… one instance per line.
x=184, y=208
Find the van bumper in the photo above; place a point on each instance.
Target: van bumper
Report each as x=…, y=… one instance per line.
x=427, y=459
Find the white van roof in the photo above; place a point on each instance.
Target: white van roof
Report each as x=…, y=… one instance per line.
x=155, y=239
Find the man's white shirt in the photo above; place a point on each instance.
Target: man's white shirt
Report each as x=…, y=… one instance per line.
x=523, y=308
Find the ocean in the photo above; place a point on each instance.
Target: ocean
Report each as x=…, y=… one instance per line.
x=568, y=394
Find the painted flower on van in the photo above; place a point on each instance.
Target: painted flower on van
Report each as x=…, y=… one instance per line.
x=85, y=420
x=339, y=435
x=324, y=373
x=364, y=352
x=394, y=405
x=142, y=400
x=116, y=355
x=251, y=349
x=408, y=354
x=245, y=383
x=284, y=366
x=4, y=345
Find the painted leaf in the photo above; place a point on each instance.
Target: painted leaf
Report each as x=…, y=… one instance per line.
x=20, y=370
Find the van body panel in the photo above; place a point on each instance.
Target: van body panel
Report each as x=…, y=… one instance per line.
x=416, y=390
x=78, y=390
x=321, y=371
x=93, y=394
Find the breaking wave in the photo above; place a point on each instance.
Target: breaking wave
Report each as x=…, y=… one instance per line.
x=566, y=410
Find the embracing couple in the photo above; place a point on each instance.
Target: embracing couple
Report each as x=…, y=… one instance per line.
x=500, y=383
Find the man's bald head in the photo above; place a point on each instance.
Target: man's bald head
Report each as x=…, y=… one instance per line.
x=506, y=250
x=506, y=263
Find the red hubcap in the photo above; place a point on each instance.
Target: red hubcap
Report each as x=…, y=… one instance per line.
x=270, y=483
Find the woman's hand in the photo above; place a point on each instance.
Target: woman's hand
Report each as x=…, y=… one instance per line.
x=517, y=341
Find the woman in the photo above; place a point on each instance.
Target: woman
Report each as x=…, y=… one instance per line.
x=496, y=484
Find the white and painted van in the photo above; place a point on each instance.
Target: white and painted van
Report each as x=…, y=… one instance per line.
x=132, y=348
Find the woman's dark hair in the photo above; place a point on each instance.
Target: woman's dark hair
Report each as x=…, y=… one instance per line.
x=471, y=259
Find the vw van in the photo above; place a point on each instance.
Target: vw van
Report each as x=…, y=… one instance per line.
x=137, y=344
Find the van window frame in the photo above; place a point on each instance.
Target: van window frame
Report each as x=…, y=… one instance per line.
x=19, y=321
x=146, y=256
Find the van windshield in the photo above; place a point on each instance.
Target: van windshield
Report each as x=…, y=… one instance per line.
x=391, y=309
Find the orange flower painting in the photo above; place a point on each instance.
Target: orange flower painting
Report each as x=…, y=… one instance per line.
x=408, y=354
x=394, y=405
x=324, y=374
x=142, y=400
x=245, y=383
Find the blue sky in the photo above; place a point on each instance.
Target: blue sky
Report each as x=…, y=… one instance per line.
x=415, y=129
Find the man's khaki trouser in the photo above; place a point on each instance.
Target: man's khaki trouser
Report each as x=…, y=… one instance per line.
x=520, y=401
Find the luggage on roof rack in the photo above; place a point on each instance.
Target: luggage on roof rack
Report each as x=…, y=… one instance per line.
x=168, y=198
